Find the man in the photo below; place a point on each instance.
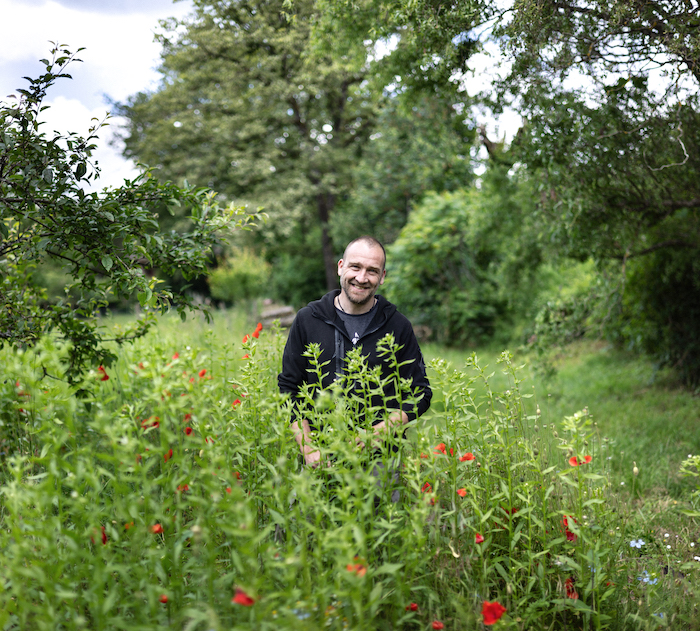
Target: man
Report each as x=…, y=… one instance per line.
x=353, y=315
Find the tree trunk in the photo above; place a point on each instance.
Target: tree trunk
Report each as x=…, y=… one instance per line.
x=325, y=203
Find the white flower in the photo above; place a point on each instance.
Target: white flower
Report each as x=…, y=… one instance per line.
x=692, y=544
x=666, y=536
x=636, y=543
x=696, y=558
x=668, y=547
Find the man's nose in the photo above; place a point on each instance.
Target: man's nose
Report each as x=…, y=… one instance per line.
x=361, y=276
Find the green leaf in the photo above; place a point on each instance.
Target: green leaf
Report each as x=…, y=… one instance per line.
x=107, y=262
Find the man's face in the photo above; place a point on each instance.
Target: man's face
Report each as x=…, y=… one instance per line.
x=361, y=272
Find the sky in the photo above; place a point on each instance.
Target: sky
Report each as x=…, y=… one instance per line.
x=120, y=59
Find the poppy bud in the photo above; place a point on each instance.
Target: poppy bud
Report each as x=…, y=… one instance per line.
x=635, y=470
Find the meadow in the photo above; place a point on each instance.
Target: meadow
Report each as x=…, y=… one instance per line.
x=166, y=492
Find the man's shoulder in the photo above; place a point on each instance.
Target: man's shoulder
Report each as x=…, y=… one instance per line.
x=321, y=307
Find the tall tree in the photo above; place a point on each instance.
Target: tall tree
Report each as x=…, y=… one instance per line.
x=249, y=107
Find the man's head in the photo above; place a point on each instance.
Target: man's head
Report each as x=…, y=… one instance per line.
x=362, y=270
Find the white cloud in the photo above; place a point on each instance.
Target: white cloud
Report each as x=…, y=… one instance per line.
x=120, y=59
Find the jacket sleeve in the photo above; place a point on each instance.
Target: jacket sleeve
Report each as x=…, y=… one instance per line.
x=414, y=371
x=294, y=366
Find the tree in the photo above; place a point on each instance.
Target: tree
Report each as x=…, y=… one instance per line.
x=249, y=107
x=105, y=241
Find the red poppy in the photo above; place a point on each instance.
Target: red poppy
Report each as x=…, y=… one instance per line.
x=357, y=568
x=576, y=462
x=102, y=370
x=237, y=475
x=570, y=536
x=241, y=598
x=104, y=536
x=176, y=356
x=246, y=337
x=412, y=607
x=468, y=456
x=570, y=591
x=187, y=417
x=156, y=529
x=478, y=538
x=246, y=356
x=163, y=598
x=228, y=489
x=168, y=455
x=235, y=403
x=440, y=449
x=256, y=334
x=128, y=525
x=462, y=492
x=202, y=372
x=188, y=430
x=183, y=487
x=139, y=458
x=141, y=365
x=492, y=612
x=424, y=456
x=438, y=625
x=426, y=488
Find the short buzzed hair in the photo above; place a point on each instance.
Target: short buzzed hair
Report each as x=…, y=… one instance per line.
x=369, y=240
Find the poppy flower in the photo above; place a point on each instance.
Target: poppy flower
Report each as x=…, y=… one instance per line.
x=156, y=529
x=188, y=430
x=235, y=403
x=163, y=598
x=246, y=337
x=576, y=462
x=139, y=458
x=202, y=372
x=246, y=356
x=570, y=536
x=412, y=607
x=141, y=365
x=258, y=329
x=237, y=475
x=176, y=355
x=492, y=612
x=183, y=487
x=128, y=525
x=187, y=417
x=228, y=489
x=241, y=598
x=357, y=568
x=424, y=456
x=103, y=372
x=570, y=591
x=438, y=625
x=104, y=536
x=168, y=455
x=478, y=538
x=441, y=449
x=426, y=488
x=462, y=492
x=468, y=456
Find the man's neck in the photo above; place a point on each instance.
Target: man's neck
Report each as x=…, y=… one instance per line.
x=352, y=308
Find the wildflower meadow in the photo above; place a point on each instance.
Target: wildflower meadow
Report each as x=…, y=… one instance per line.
x=166, y=492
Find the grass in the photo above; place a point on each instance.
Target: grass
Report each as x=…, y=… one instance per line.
x=78, y=508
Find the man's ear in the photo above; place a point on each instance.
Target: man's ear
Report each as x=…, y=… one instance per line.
x=340, y=266
x=381, y=282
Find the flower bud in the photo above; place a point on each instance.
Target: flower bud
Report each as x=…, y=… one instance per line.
x=556, y=434
x=635, y=470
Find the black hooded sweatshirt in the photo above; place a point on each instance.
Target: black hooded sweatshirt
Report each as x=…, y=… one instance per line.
x=319, y=323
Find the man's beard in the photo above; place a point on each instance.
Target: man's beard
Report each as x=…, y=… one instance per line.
x=345, y=285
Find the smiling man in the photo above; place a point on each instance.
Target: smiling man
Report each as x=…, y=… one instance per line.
x=352, y=316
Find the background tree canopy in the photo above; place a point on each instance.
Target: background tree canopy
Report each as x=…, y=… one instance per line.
x=339, y=118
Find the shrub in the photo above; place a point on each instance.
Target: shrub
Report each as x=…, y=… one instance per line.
x=243, y=276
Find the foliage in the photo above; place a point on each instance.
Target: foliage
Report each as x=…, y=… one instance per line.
x=466, y=262
x=422, y=144
x=240, y=277
x=174, y=496
x=250, y=109
x=108, y=243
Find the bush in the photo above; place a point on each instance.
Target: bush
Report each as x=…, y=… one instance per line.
x=243, y=276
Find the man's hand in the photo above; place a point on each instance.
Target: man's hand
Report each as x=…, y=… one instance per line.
x=312, y=456
x=382, y=430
